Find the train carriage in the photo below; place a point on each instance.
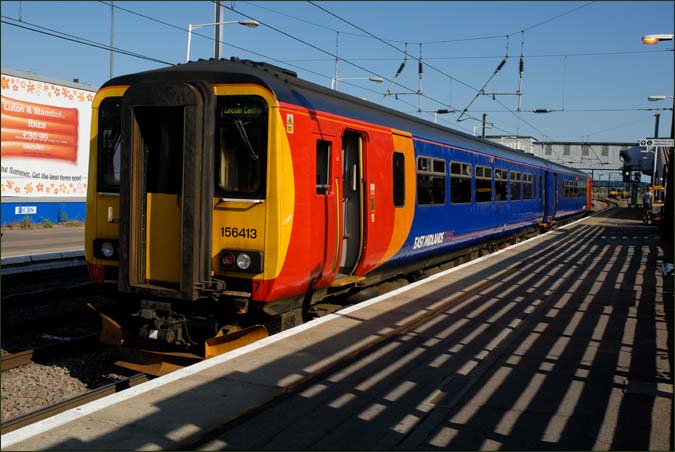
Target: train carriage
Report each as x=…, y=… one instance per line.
x=222, y=191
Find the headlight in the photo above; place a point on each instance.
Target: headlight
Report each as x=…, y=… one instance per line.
x=243, y=261
x=107, y=249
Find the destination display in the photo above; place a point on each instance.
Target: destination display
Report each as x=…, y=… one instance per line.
x=242, y=109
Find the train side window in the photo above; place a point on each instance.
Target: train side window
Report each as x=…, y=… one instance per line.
x=109, y=145
x=528, y=190
x=460, y=182
x=430, y=181
x=398, y=169
x=322, y=167
x=515, y=186
x=483, y=184
x=501, y=185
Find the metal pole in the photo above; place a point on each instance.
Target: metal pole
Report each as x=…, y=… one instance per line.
x=187, y=58
x=219, y=14
x=483, y=134
x=657, y=116
x=656, y=125
x=337, y=59
x=667, y=223
x=112, y=29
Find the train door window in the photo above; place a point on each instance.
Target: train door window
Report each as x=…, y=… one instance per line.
x=161, y=131
x=528, y=189
x=109, y=145
x=398, y=169
x=241, y=144
x=515, y=185
x=483, y=184
x=460, y=183
x=537, y=188
x=501, y=185
x=430, y=181
x=322, y=167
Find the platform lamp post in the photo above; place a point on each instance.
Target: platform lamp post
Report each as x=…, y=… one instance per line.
x=667, y=223
x=334, y=81
x=250, y=23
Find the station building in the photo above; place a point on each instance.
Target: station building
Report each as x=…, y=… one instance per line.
x=604, y=161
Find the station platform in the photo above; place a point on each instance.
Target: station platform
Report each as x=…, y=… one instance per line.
x=37, y=249
x=19, y=242
x=564, y=341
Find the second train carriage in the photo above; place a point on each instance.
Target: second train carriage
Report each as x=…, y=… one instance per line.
x=221, y=190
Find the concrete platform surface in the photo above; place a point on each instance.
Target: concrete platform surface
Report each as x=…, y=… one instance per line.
x=561, y=342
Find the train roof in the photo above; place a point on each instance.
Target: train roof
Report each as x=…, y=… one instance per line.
x=288, y=88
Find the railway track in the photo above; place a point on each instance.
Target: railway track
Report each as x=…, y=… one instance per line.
x=74, y=402
x=84, y=343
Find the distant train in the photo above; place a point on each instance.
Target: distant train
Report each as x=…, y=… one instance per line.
x=225, y=193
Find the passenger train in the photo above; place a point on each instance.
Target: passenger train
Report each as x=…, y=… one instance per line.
x=226, y=193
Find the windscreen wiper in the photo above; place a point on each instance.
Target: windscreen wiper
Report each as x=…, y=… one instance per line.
x=244, y=136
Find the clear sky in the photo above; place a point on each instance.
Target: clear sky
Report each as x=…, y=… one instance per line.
x=584, y=60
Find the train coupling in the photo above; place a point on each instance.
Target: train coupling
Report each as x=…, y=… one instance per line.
x=161, y=328
x=160, y=323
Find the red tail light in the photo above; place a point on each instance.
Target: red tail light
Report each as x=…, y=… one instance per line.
x=96, y=272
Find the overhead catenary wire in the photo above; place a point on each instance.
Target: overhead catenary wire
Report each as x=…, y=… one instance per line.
x=77, y=39
x=481, y=91
x=531, y=27
x=286, y=61
x=332, y=55
x=255, y=53
x=428, y=65
x=493, y=57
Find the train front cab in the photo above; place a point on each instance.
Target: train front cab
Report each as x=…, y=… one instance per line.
x=178, y=204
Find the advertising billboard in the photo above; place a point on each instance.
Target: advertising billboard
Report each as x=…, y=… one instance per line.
x=45, y=138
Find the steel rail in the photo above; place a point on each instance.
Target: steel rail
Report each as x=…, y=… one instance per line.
x=82, y=343
x=95, y=394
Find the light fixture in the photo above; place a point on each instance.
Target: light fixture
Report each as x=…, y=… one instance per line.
x=655, y=39
x=655, y=98
x=250, y=23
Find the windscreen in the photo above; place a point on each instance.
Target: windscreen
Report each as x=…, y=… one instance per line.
x=241, y=147
x=109, y=145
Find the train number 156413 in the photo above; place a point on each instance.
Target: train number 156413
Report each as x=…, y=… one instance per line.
x=242, y=233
